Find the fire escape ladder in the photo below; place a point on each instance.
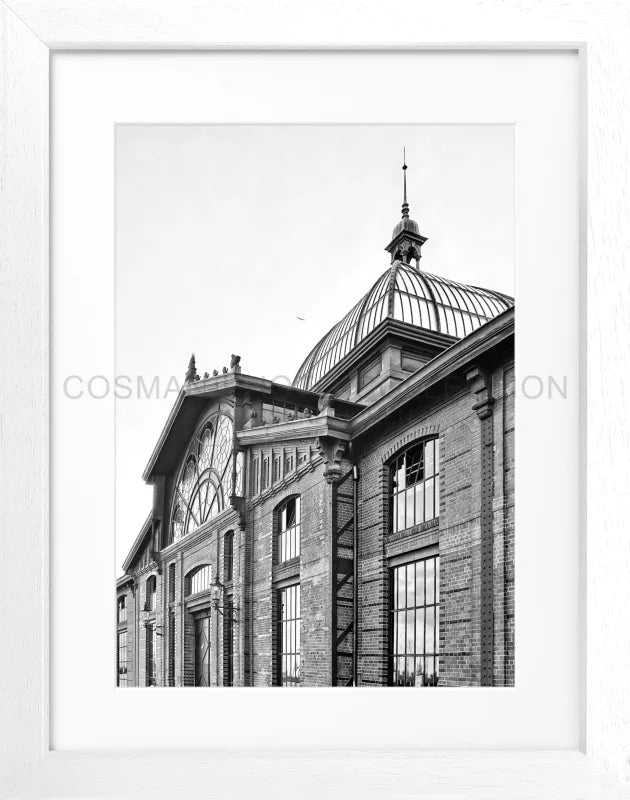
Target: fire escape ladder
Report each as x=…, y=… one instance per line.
x=343, y=581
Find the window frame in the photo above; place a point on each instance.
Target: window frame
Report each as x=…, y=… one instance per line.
x=190, y=577
x=122, y=633
x=121, y=606
x=150, y=594
x=217, y=475
x=394, y=610
x=394, y=492
x=295, y=531
x=294, y=634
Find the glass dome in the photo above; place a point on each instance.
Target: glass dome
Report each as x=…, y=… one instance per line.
x=409, y=295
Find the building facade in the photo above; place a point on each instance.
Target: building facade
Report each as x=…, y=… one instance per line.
x=354, y=528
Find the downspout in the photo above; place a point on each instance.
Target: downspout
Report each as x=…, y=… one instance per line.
x=355, y=577
x=216, y=625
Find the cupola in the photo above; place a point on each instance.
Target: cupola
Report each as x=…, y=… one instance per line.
x=406, y=240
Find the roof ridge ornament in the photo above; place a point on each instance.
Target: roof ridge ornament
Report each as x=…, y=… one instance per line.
x=191, y=372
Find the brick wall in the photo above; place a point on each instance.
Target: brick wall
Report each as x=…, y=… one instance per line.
x=313, y=571
x=457, y=533
x=446, y=412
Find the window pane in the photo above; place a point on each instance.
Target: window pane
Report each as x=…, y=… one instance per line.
x=409, y=494
x=428, y=499
x=401, y=672
x=429, y=666
x=400, y=500
x=290, y=513
x=419, y=672
x=437, y=579
x=419, y=490
x=428, y=459
x=420, y=583
x=437, y=629
x=400, y=474
x=414, y=465
x=400, y=576
x=420, y=630
x=411, y=586
x=437, y=495
x=430, y=573
x=410, y=645
x=429, y=630
x=401, y=632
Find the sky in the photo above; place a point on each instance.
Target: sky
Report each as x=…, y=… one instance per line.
x=227, y=235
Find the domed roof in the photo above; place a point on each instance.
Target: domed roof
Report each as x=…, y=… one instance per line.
x=409, y=295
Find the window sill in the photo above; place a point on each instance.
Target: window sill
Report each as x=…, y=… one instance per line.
x=420, y=528
x=287, y=570
x=423, y=535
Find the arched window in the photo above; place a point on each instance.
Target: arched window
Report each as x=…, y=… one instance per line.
x=288, y=529
x=415, y=485
x=122, y=609
x=198, y=580
x=150, y=593
x=228, y=556
x=204, y=484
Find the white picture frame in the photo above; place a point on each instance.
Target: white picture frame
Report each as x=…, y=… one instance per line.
x=30, y=32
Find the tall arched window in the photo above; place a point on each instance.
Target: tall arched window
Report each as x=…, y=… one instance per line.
x=288, y=521
x=150, y=593
x=204, y=484
x=122, y=609
x=415, y=485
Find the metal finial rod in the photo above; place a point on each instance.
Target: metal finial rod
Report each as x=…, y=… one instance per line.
x=405, y=205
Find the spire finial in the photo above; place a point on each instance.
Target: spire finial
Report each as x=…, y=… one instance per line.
x=191, y=372
x=405, y=205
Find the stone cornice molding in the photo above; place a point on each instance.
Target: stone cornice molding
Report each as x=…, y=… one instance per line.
x=324, y=424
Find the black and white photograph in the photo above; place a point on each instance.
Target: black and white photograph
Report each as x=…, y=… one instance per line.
x=265, y=421
x=315, y=441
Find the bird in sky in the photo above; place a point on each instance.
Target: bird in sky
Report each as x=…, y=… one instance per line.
x=302, y=318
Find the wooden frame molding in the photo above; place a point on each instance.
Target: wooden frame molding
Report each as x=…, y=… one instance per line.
x=31, y=31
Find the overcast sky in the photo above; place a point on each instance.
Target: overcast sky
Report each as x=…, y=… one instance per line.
x=225, y=235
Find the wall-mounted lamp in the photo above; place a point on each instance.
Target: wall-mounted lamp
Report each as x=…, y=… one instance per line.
x=216, y=594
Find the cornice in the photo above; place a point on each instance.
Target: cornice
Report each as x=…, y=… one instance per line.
x=146, y=528
x=223, y=519
x=388, y=328
x=324, y=424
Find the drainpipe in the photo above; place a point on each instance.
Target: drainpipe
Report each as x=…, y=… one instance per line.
x=355, y=577
x=216, y=611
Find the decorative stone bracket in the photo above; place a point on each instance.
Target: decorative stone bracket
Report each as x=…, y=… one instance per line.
x=481, y=388
x=238, y=504
x=331, y=450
